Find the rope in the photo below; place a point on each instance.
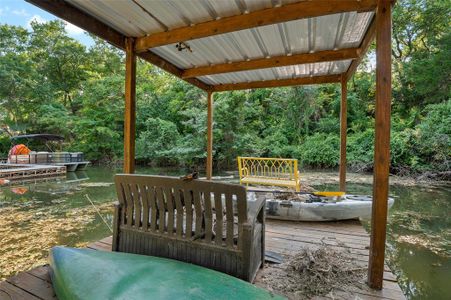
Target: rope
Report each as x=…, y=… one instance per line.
x=98, y=212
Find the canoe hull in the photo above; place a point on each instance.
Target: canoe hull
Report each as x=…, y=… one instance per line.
x=90, y=274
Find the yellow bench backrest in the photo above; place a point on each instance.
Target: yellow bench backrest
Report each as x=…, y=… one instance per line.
x=274, y=168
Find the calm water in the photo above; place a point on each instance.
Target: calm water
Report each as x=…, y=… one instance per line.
x=58, y=212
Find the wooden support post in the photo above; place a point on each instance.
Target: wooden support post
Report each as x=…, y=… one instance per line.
x=343, y=132
x=130, y=107
x=209, y=135
x=381, y=144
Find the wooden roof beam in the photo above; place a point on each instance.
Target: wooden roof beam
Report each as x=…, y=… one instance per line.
x=79, y=18
x=290, y=12
x=277, y=83
x=273, y=62
x=364, y=46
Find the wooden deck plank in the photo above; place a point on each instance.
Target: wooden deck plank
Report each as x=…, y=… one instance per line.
x=328, y=240
x=42, y=272
x=33, y=285
x=99, y=246
x=282, y=237
x=11, y=292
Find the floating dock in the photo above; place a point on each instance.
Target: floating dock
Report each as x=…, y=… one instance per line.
x=74, y=166
x=25, y=171
x=283, y=237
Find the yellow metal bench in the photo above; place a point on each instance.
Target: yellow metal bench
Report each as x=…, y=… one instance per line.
x=269, y=171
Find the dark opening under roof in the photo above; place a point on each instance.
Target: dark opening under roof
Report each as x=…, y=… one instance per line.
x=43, y=137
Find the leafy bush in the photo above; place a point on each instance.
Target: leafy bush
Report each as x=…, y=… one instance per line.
x=320, y=150
x=157, y=141
x=434, y=137
x=360, y=150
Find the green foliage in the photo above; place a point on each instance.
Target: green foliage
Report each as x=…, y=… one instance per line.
x=434, y=137
x=51, y=83
x=157, y=140
x=360, y=148
x=320, y=150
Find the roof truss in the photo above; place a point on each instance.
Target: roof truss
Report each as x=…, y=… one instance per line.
x=273, y=62
x=277, y=83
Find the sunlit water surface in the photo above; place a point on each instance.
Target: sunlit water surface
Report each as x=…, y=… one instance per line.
x=36, y=216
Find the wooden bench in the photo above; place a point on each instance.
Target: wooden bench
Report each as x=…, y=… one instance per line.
x=269, y=171
x=201, y=222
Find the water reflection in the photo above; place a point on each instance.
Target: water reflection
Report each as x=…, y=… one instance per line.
x=39, y=214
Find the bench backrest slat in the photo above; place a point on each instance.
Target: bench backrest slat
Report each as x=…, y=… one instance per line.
x=199, y=211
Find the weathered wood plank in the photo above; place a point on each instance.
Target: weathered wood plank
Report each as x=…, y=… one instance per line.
x=188, y=198
x=136, y=205
x=350, y=231
x=319, y=240
x=179, y=213
x=208, y=217
x=199, y=213
x=161, y=210
x=170, y=208
x=33, y=285
x=42, y=272
x=154, y=208
x=219, y=213
x=11, y=292
x=145, y=206
x=323, y=234
x=229, y=219
x=129, y=204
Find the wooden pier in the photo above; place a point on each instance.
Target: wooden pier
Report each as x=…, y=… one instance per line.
x=282, y=237
x=25, y=171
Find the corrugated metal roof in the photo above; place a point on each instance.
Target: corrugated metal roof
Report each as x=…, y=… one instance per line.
x=142, y=17
x=336, y=31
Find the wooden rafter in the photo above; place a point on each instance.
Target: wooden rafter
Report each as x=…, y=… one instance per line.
x=70, y=13
x=295, y=11
x=364, y=46
x=277, y=83
x=278, y=61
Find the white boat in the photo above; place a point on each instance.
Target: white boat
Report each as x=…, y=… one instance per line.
x=327, y=209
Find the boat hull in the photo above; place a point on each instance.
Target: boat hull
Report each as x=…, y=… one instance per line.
x=90, y=274
x=352, y=207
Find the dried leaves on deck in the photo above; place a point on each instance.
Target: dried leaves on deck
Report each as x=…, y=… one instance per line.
x=314, y=272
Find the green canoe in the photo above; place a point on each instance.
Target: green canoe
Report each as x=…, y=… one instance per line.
x=90, y=274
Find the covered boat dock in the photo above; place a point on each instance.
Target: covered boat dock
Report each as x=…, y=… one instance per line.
x=234, y=45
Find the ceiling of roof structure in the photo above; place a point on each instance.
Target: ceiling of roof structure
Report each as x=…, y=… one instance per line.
x=285, y=40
